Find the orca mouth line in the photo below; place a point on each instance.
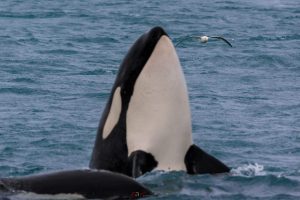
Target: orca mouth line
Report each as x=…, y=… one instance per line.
x=203, y=39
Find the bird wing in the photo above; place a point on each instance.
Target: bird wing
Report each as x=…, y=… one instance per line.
x=221, y=38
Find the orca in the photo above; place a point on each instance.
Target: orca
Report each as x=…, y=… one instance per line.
x=87, y=183
x=146, y=124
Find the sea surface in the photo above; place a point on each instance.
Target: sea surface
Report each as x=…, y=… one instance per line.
x=59, y=59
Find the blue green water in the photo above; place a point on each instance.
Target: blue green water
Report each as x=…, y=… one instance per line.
x=58, y=61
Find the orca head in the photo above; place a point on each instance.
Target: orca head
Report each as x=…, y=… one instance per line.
x=129, y=71
x=136, y=59
x=148, y=109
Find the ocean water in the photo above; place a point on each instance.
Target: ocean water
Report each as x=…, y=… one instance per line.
x=59, y=59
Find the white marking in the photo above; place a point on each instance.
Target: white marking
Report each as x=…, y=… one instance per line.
x=114, y=113
x=203, y=39
x=34, y=196
x=158, y=116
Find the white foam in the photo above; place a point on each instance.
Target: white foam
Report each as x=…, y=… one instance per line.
x=249, y=170
x=34, y=196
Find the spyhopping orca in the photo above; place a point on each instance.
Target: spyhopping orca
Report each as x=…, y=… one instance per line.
x=86, y=183
x=146, y=123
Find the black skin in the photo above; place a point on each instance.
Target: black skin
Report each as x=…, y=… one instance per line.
x=88, y=183
x=198, y=161
x=140, y=162
x=111, y=153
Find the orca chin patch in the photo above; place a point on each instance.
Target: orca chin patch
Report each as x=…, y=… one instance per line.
x=158, y=117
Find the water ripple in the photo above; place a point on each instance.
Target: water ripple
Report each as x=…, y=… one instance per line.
x=58, y=62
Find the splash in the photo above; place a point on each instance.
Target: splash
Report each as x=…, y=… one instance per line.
x=249, y=170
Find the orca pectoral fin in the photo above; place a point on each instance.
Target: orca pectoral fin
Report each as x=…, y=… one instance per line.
x=140, y=162
x=198, y=161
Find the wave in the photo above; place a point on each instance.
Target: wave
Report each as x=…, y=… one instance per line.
x=249, y=170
